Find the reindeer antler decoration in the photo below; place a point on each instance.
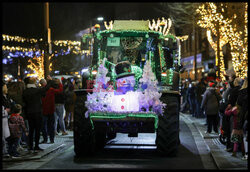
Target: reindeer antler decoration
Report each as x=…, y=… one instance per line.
x=110, y=27
x=160, y=23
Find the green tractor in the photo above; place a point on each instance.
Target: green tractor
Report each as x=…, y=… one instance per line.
x=115, y=95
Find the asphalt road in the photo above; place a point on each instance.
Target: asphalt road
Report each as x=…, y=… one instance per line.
x=134, y=153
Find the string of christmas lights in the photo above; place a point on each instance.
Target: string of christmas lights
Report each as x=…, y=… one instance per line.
x=73, y=46
x=19, y=39
x=36, y=63
x=18, y=48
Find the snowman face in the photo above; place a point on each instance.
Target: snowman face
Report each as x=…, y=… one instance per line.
x=126, y=81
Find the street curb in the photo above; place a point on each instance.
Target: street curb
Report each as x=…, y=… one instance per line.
x=203, y=148
x=205, y=138
x=220, y=157
x=38, y=155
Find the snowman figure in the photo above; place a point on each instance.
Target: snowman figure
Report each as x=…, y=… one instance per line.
x=125, y=99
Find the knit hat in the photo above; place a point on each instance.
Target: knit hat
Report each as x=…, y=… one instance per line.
x=212, y=84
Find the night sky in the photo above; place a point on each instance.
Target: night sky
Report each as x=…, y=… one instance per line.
x=66, y=19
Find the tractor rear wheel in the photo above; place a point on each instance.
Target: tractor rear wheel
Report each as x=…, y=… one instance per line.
x=167, y=138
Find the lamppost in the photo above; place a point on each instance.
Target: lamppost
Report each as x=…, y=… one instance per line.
x=47, y=40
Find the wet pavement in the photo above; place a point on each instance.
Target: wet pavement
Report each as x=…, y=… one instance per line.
x=25, y=155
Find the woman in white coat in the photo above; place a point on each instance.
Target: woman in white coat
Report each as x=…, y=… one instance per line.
x=6, y=130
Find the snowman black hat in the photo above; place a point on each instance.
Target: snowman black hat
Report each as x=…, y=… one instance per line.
x=123, y=69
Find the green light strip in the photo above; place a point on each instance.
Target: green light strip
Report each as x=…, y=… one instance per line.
x=161, y=53
x=120, y=116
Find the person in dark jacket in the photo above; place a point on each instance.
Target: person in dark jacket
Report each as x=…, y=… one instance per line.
x=32, y=97
x=200, y=89
x=184, y=105
x=233, y=95
x=228, y=120
x=238, y=133
x=210, y=103
x=232, y=99
x=191, y=98
x=70, y=106
x=238, y=112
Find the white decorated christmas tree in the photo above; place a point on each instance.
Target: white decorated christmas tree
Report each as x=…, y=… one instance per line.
x=101, y=78
x=150, y=97
x=100, y=99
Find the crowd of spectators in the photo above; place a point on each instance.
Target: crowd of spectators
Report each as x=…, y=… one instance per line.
x=32, y=108
x=223, y=105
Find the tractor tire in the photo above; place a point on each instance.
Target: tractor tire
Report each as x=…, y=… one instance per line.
x=84, y=140
x=167, y=137
x=100, y=136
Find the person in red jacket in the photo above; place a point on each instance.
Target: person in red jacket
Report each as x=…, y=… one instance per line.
x=48, y=104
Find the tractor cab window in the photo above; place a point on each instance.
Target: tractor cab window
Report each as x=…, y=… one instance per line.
x=130, y=49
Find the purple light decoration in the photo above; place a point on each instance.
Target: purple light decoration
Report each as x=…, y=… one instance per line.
x=37, y=53
x=10, y=61
x=4, y=61
x=23, y=54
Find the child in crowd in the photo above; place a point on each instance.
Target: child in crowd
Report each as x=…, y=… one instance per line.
x=17, y=126
x=237, y=133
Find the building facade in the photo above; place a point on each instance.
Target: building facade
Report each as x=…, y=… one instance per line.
x=204, y=54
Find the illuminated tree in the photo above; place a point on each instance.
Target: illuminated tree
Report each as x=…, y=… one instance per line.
x=221, y=20
x=36, y=64
x=239, y=38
